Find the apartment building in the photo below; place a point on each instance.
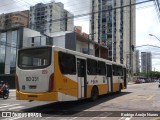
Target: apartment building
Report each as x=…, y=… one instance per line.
x=14, y=19
x=50, y=18
x=146, y=61
x=110, y=24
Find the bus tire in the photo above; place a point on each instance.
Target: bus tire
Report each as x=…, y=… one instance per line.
x=94, y=93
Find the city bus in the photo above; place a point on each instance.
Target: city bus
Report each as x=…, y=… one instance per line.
x=50, y=73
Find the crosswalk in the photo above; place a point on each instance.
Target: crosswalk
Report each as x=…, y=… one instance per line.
x=6, y=107
x=10, y=107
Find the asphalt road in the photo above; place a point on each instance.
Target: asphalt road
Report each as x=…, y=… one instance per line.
x=137, y=98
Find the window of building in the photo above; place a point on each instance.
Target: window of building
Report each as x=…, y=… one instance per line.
x=103, y=19
x=13, y=50
x=2, y=46
x=103, y=32
x=2, y=51
x=110, y=53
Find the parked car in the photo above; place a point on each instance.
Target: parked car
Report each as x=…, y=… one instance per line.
x=138, y=81
x=143, y=81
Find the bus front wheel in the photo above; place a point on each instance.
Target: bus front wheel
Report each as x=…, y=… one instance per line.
x=94, y=93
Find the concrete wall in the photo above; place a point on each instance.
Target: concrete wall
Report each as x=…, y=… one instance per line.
x=59, y=41
x=29, y=33
x=71, y=41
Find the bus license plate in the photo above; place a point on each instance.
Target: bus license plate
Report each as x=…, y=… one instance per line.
x=32, y=78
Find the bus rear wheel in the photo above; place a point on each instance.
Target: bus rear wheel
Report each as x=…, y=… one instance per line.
x=94, y=93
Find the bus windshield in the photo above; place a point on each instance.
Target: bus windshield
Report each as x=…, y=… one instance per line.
x=34, y=58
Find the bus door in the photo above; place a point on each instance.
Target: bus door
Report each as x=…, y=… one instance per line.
x=82, y=79
x=109, y=78
x=125, y=79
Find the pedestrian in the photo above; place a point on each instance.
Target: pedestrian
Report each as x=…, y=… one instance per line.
x=4, y=88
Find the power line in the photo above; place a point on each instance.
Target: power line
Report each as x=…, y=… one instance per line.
x=148, y=45
x=124, y=11
x=87, y=14
x=120, y=7
x=70, y=10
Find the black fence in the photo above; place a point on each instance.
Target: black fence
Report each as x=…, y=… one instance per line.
x=10, y=79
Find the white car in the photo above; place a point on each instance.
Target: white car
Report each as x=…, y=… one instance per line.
x=142, y=81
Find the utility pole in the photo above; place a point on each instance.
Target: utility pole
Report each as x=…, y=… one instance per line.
x=88, y=45
x=130, y=39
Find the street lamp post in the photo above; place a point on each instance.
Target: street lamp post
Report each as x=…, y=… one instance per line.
x=157, y=39
x=154, y=36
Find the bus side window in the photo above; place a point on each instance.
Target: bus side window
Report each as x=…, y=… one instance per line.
x=120, y=71
x=62, y=67
x=109, y=70
x=114, y=70
x=67, y=63
x=91, y=67
x=101, y=68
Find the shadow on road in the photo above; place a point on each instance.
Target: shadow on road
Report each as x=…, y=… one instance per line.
x=72, y=108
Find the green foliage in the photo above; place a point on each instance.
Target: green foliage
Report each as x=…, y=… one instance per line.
x=151, y=74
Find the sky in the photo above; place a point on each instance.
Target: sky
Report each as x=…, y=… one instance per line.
x=147, y=21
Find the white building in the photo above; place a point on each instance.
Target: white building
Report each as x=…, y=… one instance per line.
x=110, y=26
x=146, y=61
x=14, y=39
x=50, y=18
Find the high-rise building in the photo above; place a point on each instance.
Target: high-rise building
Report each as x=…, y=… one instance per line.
x=14, y=19
x=146, y=61
x=50, y=18
x=110, y=24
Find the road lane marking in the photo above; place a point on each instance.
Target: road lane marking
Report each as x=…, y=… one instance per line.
x=8, y=106
x=97, y=117
x=125, y=118
x=4, y=104
x=12, y=118
x=149, y=98
x=15, y=107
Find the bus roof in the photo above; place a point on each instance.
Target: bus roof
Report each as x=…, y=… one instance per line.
x=85, y=55
x=75, y=53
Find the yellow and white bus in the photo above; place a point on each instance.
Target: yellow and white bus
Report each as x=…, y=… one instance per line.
x=50, y=73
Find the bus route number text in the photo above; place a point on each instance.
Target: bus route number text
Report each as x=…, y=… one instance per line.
x=32, y=78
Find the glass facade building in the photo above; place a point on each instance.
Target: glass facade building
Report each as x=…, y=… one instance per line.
x=12, y=40
x=8, y=50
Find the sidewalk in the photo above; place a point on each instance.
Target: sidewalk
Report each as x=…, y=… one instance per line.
x=12, y=90
x=130, y=83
